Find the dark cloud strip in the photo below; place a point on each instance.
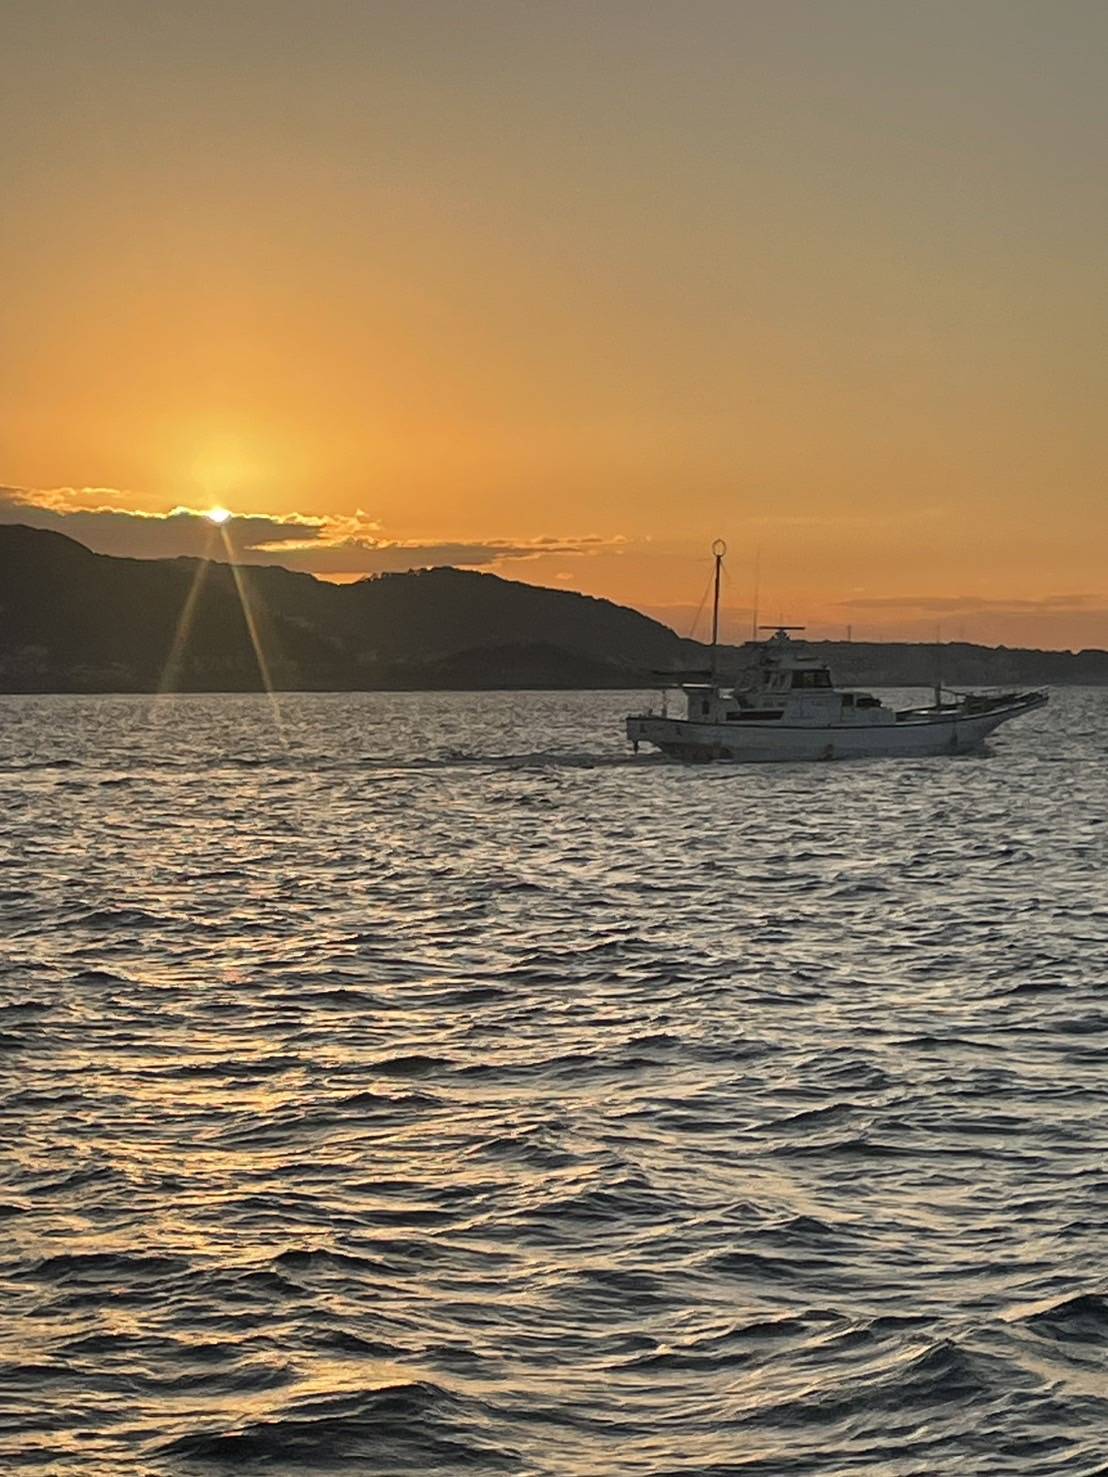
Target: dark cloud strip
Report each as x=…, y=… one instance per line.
x=131, y=535
x=968, y=604
x=307, y=546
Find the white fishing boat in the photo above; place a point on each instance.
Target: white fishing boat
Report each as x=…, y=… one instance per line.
x=785, y=706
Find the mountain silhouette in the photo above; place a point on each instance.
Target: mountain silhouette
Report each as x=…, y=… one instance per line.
x=75, y=621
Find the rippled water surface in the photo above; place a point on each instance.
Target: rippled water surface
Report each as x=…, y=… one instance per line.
x=435, y=1089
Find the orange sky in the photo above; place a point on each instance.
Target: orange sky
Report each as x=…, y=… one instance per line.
x=455, y=280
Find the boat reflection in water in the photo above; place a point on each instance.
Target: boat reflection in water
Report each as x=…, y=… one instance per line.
x=785, y=706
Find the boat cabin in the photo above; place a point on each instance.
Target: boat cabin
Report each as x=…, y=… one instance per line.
x=785, y=681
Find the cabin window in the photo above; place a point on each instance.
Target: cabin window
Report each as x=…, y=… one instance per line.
x=819, y=678
x=705, y=707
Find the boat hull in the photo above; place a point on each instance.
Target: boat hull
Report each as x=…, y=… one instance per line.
x=776, y=742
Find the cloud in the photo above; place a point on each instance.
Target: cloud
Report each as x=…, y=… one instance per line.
x=333, y=545
x=108, y=529
x=357, y=556
x=970, y=604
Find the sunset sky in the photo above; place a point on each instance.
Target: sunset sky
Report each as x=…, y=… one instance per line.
x=566, y=290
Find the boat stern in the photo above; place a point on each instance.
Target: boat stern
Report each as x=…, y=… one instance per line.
x=638, y=729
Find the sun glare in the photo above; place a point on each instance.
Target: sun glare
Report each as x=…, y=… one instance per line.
x=217, y=515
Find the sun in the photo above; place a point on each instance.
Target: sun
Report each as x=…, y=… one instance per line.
x=217, y=515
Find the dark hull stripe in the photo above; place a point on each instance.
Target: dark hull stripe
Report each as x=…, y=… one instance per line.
x=774, y=725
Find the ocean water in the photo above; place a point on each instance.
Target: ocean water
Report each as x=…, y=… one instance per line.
x=418, y=1083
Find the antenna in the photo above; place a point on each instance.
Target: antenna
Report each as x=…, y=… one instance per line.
x=719, y=548
x=757, y=578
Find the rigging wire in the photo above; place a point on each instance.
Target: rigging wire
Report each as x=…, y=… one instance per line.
x=700, y=609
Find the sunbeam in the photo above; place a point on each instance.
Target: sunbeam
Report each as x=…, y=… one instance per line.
x=252, y=629
x=168, y=681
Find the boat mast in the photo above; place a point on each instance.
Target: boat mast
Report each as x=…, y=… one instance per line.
x=719, y=548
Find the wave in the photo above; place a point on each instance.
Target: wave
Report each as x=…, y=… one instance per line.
x=396, y=1425
x=415, y=1065
x=112, y=918
x=942, y=1378
x=101, y=1265
x=1082, y=1317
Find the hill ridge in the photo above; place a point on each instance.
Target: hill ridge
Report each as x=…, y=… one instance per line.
x=75, y=621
